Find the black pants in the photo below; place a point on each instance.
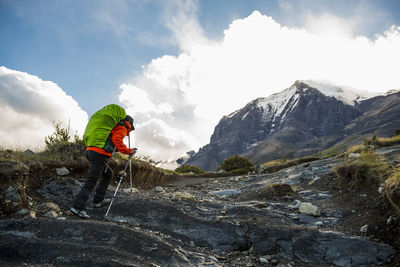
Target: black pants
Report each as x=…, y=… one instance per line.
x=96, y=169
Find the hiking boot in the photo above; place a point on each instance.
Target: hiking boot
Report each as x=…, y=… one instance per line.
x=102, y=203
x=80, y=213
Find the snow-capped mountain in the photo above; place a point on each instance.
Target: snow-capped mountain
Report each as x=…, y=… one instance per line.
x=302, y=119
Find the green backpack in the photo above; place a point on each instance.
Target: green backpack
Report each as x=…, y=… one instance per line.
x=100, y=125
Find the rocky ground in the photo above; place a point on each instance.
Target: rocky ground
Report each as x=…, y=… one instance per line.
x=227, y=221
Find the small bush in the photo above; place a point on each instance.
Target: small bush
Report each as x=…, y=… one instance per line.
x=366, y=170
x=236, y=163
x=59, y=146
x=397, y=132
x=188, y=169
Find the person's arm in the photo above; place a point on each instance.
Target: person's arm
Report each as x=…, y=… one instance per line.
x=118, y=136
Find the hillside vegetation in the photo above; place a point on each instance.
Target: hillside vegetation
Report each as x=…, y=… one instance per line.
x=64, y=151
x=365, y=167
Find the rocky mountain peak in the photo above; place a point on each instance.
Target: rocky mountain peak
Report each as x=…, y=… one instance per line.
x=347, y=95
x=301, y=120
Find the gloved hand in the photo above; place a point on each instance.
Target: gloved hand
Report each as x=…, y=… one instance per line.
x=133, y=152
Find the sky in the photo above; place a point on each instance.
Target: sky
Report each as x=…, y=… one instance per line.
x=179, y=66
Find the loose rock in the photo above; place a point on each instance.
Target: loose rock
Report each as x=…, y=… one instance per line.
x=62, y=171
x=159, y=189
x=364, y=229
x=310, y=209
x=51, y=214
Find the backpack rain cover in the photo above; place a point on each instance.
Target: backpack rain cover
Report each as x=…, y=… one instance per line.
x=101, y=123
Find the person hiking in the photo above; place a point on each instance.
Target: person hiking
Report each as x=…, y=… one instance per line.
x=103, y=136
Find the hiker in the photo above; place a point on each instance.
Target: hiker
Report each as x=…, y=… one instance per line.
x=103, y=136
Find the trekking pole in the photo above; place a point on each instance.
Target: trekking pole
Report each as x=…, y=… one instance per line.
x=119, y=183
x=130, y=164
x=108, y=163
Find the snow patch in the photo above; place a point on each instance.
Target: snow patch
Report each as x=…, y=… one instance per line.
x=275, y=104
x=347, y=95
x=392, y=91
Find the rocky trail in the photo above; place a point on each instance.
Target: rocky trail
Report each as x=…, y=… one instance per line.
x=225, y=221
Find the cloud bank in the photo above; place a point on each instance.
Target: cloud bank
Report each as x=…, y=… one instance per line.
x=183, y=97
x=28, y=107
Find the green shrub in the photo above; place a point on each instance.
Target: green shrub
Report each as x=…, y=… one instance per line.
x=236, y=163
x=59, y=146
x=368, y=169
x=189, y=168
x=397, y=132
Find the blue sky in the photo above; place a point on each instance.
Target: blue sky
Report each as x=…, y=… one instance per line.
x=64, y=41
x=98, y=52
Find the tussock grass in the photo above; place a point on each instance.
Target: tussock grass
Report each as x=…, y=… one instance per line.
x=392, y=190
x=388, y=141
x=278, y=190
x=355, y=149
x=368, y=169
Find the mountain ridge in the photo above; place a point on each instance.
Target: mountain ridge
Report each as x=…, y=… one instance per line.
x=298, y=121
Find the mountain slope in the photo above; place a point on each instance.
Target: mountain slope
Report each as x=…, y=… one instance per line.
x=298, y=121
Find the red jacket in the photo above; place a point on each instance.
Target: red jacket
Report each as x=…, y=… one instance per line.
x=118, y=134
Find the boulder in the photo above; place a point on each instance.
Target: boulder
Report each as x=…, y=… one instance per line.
x=185, y=196
x=309, y=208
x=62, y=171
x=51, y=206
x=354, y=155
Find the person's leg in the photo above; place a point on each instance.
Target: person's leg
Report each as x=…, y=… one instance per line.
x=97, y=164
x=101, y=189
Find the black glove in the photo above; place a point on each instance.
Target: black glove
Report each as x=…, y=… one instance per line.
x=133, y=152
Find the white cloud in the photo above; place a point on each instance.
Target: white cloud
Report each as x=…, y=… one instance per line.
x=29, y=105
x=160, y=141
x=181, y=19
x=258, y=57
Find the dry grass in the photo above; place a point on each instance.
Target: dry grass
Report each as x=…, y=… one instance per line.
x=276, y=165
x=277, y=190
x=355, y=149
x=388, y=141
x=145, y=174
x=392, y=190
x=368, y=169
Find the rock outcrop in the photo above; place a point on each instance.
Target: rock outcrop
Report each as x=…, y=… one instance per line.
x=220, y=221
